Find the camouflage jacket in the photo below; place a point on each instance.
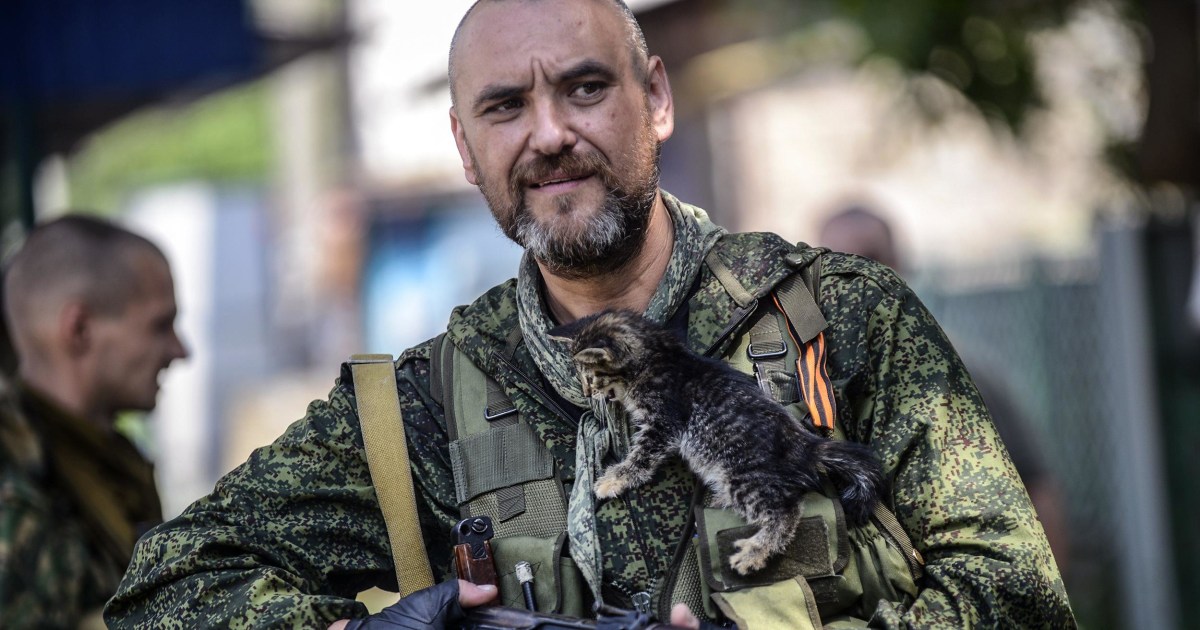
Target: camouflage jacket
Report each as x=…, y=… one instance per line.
x=291, y=536
x=58, y=561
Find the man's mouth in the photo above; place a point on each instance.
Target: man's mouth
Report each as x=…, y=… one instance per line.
x=562, y=179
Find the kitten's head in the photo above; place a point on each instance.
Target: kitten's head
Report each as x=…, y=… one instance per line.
x=611, y=344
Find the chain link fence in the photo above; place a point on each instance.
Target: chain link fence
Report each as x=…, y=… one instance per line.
x=1035, y=326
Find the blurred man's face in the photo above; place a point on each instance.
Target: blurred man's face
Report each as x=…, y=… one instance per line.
x=558, y=131
x=134, y=346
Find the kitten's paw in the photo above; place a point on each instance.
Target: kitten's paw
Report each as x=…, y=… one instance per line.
x=749, y=558
x=610, y=484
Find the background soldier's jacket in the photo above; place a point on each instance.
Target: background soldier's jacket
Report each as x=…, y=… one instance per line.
x=73, y=500
x=291, y=536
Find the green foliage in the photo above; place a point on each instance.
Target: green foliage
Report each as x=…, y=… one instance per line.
x=220, y=138
x=979, y=47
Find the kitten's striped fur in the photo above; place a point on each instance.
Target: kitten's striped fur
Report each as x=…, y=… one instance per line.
x=753, y=455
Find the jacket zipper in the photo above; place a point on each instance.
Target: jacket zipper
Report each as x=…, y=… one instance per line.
x=543, y=397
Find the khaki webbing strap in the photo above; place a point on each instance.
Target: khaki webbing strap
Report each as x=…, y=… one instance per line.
x=798, y=304
x=806, y=325
x=387, y=458
x=815, y=386
x=768, y=352
x=886, y=519
x=500, y=412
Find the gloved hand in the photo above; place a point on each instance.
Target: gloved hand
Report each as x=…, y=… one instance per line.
x=434, y=607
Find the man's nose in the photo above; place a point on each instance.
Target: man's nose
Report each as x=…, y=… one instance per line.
x=552, y=133
x=178, y=349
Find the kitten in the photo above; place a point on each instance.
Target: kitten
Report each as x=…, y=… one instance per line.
x=754, y=456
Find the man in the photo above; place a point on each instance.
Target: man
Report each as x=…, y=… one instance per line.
x=91, y=310
x=859, y=230
x=558, y=112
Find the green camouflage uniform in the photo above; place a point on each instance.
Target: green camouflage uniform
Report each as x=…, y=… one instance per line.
x=72, y=501
x=289, y=537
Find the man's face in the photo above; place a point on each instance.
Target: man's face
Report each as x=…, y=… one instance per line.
x=133, y=346
x=558, y=131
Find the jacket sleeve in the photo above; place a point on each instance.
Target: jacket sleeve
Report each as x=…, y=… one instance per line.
x=955, y=489
x=292, y=535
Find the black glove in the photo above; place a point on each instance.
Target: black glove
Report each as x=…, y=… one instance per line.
x=433, y=607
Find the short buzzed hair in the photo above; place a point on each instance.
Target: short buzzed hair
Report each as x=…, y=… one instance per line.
x=74, y=257
x=636, y=41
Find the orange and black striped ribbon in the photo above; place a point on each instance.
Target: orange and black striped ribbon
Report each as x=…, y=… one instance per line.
x=815, y=385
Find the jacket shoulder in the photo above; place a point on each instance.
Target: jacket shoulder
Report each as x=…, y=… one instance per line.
x=759, y=260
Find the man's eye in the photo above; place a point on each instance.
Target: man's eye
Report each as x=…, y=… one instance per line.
x=505, y=107
x=590, y=89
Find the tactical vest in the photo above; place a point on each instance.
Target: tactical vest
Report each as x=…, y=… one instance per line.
x=830, y=573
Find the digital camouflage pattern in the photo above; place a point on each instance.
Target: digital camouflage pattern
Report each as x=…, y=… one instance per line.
x=289, y=537
x=56, y=569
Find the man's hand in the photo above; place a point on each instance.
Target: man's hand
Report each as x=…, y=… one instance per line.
x=682, y=616
x=433, y=607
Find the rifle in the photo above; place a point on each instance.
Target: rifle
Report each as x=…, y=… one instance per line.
x=474, y=563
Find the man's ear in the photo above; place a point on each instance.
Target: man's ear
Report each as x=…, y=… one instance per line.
x=74, y=328
x=460, y=140
x=658, y=95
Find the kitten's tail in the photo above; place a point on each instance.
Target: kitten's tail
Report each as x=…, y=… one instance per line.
x=855, y=472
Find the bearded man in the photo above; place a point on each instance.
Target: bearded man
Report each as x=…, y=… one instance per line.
x=558, y=112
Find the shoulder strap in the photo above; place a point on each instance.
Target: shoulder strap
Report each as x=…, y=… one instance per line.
x=797, y=300
x=387, y=458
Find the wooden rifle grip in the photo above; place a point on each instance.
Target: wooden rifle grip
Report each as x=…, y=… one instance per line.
x=475, y=570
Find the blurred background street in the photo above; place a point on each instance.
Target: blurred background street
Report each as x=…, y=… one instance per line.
x=1038, y=162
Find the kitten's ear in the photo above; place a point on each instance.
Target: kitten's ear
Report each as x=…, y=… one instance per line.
x=593, y=356
x=565, y=333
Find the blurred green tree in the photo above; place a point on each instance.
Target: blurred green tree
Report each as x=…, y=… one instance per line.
x=223, y=137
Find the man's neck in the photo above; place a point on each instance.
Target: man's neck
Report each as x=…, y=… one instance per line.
x=630, y=287
x=63, y=392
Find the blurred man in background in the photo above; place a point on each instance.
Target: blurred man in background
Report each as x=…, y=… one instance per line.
x=859, y=230
x=91, y=311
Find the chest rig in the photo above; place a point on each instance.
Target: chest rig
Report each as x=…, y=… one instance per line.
x=829, y=573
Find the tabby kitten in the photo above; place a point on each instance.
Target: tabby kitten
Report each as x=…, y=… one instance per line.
x=753, y=455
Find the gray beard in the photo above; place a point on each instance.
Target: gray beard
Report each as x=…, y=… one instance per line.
x=612, y=237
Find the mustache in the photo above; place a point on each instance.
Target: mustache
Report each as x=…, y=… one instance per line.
x=570, y=164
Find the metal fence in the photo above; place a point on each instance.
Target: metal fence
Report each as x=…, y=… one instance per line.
x=1057, y=334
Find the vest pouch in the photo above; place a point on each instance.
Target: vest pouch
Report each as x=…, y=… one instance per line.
x=558, y=585
x=779, y=595
x=784, y=604
x=508, y=474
